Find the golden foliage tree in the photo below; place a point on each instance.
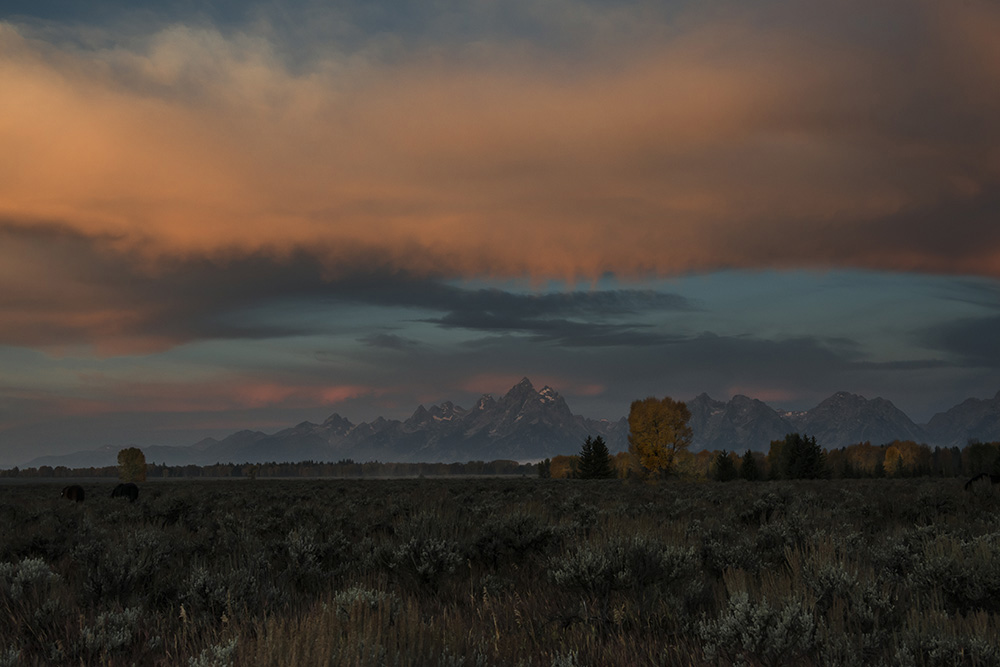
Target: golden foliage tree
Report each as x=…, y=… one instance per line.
x=865, y=458
x=658, y=432
x=132, y=465
x=893, y=463
x=563, y=467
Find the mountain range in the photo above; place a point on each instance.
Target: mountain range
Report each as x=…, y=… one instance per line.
x=529, y=424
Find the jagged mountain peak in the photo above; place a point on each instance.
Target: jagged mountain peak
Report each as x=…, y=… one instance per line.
x=520, y=392
x=446, y=411
x=336, y=420
x=419, y=418
x=337, y=426
x=423, y=417
x=523, y=398
x=486, y=402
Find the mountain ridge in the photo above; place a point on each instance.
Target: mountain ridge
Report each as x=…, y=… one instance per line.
x=529, y=424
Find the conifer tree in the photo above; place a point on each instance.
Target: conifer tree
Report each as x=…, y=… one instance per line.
x=801, y=458
x=595, y=460
x=725, y=469
x=748, y=469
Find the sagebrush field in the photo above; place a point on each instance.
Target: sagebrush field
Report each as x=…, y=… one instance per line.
x=502, y=572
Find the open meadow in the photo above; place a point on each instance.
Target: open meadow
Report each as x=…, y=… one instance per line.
x=502, y=572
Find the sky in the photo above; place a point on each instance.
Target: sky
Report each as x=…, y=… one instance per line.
x=227, y=215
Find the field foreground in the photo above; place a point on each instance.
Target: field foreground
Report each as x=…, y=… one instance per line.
x=502, y=572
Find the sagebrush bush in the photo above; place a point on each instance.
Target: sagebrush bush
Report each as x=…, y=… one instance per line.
x=426, y=561
x=111, y=632
x=967, y=572
x=521, y=572
x=120, y=565
x=30, y=613
x=759, y=632
x=217, y=655
x=27, y=582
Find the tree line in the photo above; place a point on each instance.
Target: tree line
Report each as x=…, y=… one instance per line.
x=660, y=437
x=346, y=468
x=800, y=457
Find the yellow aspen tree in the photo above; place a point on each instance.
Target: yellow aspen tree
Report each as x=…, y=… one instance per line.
x=132, y=465
x=893, y=464
x=658, y=432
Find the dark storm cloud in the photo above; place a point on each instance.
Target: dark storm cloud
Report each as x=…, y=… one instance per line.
x=64, y=287
x=495, y=305
x=546, y=317
x=565, y=332
x=974, y=342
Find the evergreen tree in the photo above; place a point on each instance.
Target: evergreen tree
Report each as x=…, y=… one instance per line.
x=545, y=469
x=749, y=470
x=725, y=469
x=595, y=460
x=801, y=458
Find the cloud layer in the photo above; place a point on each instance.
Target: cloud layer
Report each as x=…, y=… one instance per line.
x=674, y=145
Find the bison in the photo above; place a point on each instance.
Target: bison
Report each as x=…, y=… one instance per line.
x=128, y=490
x=992, y=476
x=74, y=492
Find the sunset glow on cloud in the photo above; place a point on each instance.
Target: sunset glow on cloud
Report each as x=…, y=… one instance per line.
x=725, y=146
x=344, y=184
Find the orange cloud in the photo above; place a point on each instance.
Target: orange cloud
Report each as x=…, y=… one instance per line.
x=715, y=145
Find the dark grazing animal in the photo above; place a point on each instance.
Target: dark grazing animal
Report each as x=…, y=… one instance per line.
x=127, y=490
x=994, y=478
x=74, y=492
